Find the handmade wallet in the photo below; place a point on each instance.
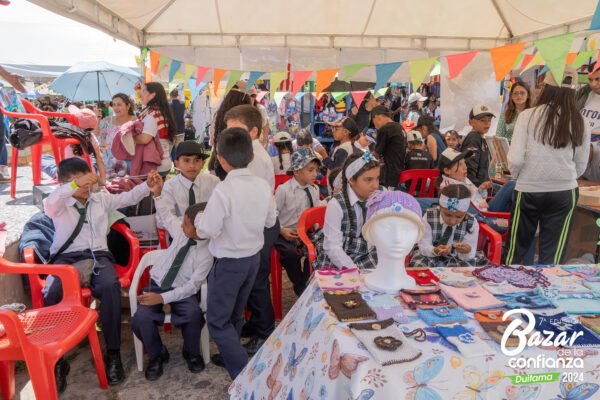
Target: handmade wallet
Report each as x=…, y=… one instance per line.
x=349, y=306
x=423, y=298
x=492, y=323
x=443, y=315
x=423, y=277
x=592, y=322
x=472, y=298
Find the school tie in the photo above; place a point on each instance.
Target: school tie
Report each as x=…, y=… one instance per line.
x=177, y=263
x=363, y=207
x=192, y=195
x=446, y=235
x=310, y=200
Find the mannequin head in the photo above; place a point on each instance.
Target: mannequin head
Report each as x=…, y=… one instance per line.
x=394, y=237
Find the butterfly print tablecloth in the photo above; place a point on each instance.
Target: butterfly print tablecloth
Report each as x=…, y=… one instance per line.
x=311, y=355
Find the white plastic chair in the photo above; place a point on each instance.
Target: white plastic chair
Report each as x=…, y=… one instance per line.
x=148, y=260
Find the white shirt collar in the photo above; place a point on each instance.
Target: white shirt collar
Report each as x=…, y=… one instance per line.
x=184, y=181
x=352, y=196
x=238, y=172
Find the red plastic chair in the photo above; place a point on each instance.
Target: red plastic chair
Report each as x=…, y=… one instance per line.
x=162, y=238
x=31, y=109
x=499, y=215
x=58, y=147
x=42, y=336
x=281, y=178
x=427, y=178
x=490, y=242
x=124, y=272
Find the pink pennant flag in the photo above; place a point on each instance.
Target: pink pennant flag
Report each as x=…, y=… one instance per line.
x=526, y=60
x=458, y=62
x=200, y=74
x=359, y=96
x=300, y=77
x=597, y=65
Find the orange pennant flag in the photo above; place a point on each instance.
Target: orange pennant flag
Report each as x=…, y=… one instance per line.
x=571, y=58
x=359, y=96
x=324, y=78
x=147, y=75
x=217, y=76
x=458, y=62
x=200, y=74
x=300, y=77
x=154, y=61
x=504, y=57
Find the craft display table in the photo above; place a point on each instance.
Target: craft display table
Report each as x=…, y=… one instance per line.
x=311, y=355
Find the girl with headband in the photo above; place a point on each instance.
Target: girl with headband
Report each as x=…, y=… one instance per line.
x=341, y=243
x=451, y=233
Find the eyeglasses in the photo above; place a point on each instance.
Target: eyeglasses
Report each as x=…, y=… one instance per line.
x=519, y=93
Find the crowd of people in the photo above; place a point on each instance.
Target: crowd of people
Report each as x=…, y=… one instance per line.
x=224, y=222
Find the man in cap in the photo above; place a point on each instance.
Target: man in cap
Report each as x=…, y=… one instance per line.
x=480, y=119
x=390, y=146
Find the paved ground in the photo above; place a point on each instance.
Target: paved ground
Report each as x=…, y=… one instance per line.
x=176, y=383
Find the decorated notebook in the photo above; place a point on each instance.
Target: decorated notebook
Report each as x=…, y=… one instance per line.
x=329, y=278
x=472, y=298
x=386, y=343
x=443, y=315
x=423, y=298
x=349, y=306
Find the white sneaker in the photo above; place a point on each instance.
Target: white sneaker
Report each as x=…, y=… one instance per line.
x=4, y=174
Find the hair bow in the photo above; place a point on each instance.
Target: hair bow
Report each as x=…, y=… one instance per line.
x=452, y=204
x=367, y=156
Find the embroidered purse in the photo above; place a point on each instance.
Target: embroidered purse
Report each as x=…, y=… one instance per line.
x=443, y=315
x=423, y=298
x=349, y=306
x=423, y=277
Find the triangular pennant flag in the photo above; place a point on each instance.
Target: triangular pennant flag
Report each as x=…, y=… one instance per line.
x=526, y=60
x=595, y=25
x=458, y=62
x=582, y=58
x=597, y=65
x=571, y=57
x=147, y=74
x=138, y=60
x=324, y=78
x=381, y=92
x=437, y=69
x=254, y=75
x=383, y=72
x=350, y=70
x=174, y=68
x=164, y=60
x=260, y=95
x=555, y=50
x=299, y=95
x=200, y=74
x=545, y=69
x=144, y=54
x=154, y=61
x=188, y=71
x=504, y=57
x=419, y=70
x=234, y=76
x=338, y=95
x=278, y=97
x=518, y=62
x=536, y=60
x=299, y=79
x=217, y=76
x=276, y=79
x=358, y=97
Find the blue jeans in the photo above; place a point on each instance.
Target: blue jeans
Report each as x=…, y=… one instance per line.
x=502, y=201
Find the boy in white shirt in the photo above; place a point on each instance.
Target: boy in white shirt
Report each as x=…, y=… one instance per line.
x=262, y=316
x=80, y=217
x=292, y=198
x=188, y=187
x=236, y=214
x=175, y=280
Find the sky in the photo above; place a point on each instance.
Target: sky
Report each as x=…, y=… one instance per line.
x=40, y=37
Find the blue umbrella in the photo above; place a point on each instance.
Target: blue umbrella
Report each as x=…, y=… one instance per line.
x=95, y=81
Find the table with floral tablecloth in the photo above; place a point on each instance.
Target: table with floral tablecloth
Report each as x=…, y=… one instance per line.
x=311, y=355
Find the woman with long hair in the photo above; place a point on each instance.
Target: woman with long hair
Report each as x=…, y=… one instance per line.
x=158, y=120
x=519, y=100
x=235, y=97
x=549, y=151
x=108, y=128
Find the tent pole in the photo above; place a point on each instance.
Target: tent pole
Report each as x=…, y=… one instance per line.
x=98, y=80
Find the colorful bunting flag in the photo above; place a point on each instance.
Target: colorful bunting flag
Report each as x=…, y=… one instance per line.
x=164, y=60
x=278, y=97
x=555, y=50
x=195, y=88
x=504, y=57
x=147, y=74
x=276, y=79
x=597, y=65
x=339, y=95
x=200, y=74
x=358, y=97
x=458, y=62
x=571, y=57
x=174, y=68
x=154, y=61
x=188, y=71
x=254, y=75
x=582, y=58
x=595, y=25
x=383, y=72
x=419, y=70
x=217, y=76
x=234, y=76
x=299, y=78
x=518, y=61
x=144, y=54
x=350, y=70
x=526, y=60
x=536, y=60
x=437, y=69
x=324, y=78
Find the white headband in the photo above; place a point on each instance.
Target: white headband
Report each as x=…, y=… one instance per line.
x=357, y=164
x=454, y=204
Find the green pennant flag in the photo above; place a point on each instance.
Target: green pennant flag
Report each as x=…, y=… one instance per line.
x=350, y=70
x=276, y=79
x=555, y=50
x=339, y=95
x=419, y=70
x=164, y=60
x=582, y=58
x=234, y=76
x=144, y=54
x=518, y=62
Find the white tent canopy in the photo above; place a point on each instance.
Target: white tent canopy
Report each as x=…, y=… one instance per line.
x=219, y=31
